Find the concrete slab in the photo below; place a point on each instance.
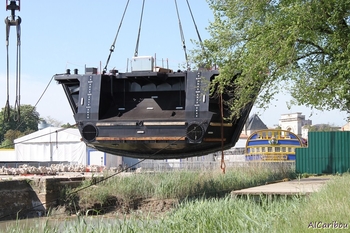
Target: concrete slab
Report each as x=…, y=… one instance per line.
x=303, y=186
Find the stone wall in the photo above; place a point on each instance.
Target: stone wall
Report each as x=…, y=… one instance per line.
x=18, y=199
x=32, y=197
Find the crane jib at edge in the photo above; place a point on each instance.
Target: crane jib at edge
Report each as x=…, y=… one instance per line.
x=13, y=20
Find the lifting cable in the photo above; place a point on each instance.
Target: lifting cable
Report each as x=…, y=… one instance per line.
x=111, y=50
x=32, y=110
x=18, y=74
x=182, y=36
x=138, y=35
x=223, y=165
x=12, y=21
x=195, y=25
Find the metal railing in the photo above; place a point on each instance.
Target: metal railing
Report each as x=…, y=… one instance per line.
x=150, y=165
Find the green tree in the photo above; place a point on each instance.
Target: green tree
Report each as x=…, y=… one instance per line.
x=9, y=138
x=68, y=126
x=323, y=128
x=301, y=46
x=28, y=123
x=52, y=121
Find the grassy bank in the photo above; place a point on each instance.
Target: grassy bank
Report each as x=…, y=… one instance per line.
x=182, y=184
x=226, y=214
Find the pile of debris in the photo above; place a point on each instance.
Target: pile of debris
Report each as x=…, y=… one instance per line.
x=52, y=170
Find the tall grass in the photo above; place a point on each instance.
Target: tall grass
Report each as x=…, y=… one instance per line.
x=327, y=206
x=182, y=184
x=234, y=215
x=331, y=204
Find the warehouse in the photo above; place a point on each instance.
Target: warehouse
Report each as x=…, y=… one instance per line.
x=59, y=145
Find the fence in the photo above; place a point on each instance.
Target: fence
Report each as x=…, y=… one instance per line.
x=154, y=165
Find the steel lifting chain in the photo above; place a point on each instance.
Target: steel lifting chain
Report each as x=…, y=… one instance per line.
x=13, y=21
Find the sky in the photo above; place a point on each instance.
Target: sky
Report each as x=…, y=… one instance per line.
x=69, y=34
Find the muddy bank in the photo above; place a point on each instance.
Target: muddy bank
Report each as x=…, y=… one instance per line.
x=116, y=206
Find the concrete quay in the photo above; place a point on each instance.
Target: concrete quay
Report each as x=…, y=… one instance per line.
x=300, y=187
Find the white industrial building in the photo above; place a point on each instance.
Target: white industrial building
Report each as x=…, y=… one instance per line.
x=294, y=122
x=60, y=145
x=7, y=155
x=52, y=144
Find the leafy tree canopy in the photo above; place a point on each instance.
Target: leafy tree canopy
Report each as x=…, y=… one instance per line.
x=52, y=121
x=9, y=137
x=67, y=125
x=301, y=46
x=10, y=128
x=322, y=128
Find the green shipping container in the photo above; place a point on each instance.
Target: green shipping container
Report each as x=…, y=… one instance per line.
x=327, y=153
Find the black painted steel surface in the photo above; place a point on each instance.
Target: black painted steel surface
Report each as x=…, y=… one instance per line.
x=155, y=115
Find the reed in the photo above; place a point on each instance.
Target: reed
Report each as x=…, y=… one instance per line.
x=182, y=184
x=329, y=206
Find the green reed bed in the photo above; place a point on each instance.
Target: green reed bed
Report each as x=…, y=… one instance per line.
x=329, y=206
x=183, y=184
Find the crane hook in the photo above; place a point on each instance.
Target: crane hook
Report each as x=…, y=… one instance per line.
x=13, y=21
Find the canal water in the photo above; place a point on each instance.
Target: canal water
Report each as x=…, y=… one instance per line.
x=72, y=224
